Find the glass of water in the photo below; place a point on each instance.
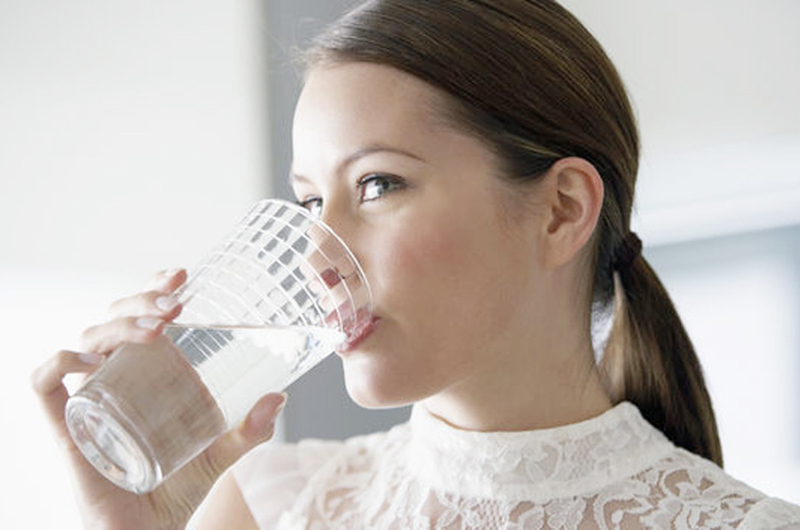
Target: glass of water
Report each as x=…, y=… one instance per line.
x=265, y=306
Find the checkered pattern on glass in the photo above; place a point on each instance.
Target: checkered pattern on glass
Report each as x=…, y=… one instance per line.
x=260, y=275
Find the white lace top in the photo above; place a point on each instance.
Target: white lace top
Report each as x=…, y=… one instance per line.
x=614, y=471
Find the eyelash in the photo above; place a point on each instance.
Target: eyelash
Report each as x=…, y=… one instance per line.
x=306, y=203
x=393, y=183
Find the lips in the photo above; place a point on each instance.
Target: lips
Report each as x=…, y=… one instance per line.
x=352, y=320
x=359, y=336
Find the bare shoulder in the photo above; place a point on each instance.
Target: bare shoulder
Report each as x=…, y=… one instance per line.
x=226, y=508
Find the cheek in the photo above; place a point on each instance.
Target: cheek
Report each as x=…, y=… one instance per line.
x=438, y=275
x=410, y=260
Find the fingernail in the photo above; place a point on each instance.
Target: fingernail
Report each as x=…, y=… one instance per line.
x=281, y=404
x=163, y=278
x=148, y=322
x=264, y=415
x=169, y=273
x=91, y=358
x=166, y=303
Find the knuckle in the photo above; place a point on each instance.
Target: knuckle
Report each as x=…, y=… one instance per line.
x=148, y=296
x=138, y=304
x=139, y=329
x=42, y=374
x=211, y=467
x=114, y=306
x=37, y=377
x=157, y=279
x=126, y=328
x=87, y=337
x=63, y=357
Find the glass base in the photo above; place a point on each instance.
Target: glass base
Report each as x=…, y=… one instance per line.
x=106, y=440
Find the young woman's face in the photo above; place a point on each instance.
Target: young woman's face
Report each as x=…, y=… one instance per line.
x=422, y=208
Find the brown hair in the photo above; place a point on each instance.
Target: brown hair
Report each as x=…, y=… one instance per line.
x=527, y=78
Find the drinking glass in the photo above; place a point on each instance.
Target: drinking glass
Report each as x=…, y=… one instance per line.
x=266, y=305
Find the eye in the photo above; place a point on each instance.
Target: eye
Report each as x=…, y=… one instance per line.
x=313, y=205
x=376, y=185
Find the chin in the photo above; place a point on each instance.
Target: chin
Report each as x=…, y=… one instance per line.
x=374, y=388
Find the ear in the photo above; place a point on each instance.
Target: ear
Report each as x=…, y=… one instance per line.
x=573, y=197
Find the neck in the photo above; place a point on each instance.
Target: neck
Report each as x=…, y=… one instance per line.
x=565, y=395
x=546, y=377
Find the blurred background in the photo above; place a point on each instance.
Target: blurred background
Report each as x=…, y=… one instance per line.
x=134, y=134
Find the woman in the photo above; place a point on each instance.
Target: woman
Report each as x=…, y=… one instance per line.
x=479, y=158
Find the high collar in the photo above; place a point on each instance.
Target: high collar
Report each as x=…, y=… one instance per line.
x=533, y=465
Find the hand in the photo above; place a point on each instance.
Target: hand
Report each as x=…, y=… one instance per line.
x=140, y=319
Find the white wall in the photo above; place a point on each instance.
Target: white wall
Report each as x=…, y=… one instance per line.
x=132, y=136
x=714, y=85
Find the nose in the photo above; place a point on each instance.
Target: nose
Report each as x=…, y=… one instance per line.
x=337, y=213
x=335, y=216
x=343, y=275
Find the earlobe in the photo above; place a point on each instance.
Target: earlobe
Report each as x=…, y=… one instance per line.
x=575, y=200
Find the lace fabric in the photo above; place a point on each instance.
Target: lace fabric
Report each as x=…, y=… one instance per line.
x=614, y=471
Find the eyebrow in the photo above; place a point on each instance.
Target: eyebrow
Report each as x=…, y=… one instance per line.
x=359, y=154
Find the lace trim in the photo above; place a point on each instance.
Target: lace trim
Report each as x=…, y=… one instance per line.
x=773, y=514
x=612, y=472
x=534, y=465
x=681, y=492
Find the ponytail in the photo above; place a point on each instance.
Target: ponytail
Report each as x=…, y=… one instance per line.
x=650, y=361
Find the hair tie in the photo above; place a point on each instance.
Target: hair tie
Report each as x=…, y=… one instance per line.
x=628, y=250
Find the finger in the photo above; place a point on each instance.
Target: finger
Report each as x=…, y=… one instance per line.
x=166, y=281
x=258, y=427
x=48, y=384
x=105, y=338
x=154, y=303
x=189, y=485
x=48, y=380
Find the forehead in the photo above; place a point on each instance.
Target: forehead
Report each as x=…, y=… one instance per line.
x=349, y=105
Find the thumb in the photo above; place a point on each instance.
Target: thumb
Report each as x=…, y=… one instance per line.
x=183, y=492
x=259, y=426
